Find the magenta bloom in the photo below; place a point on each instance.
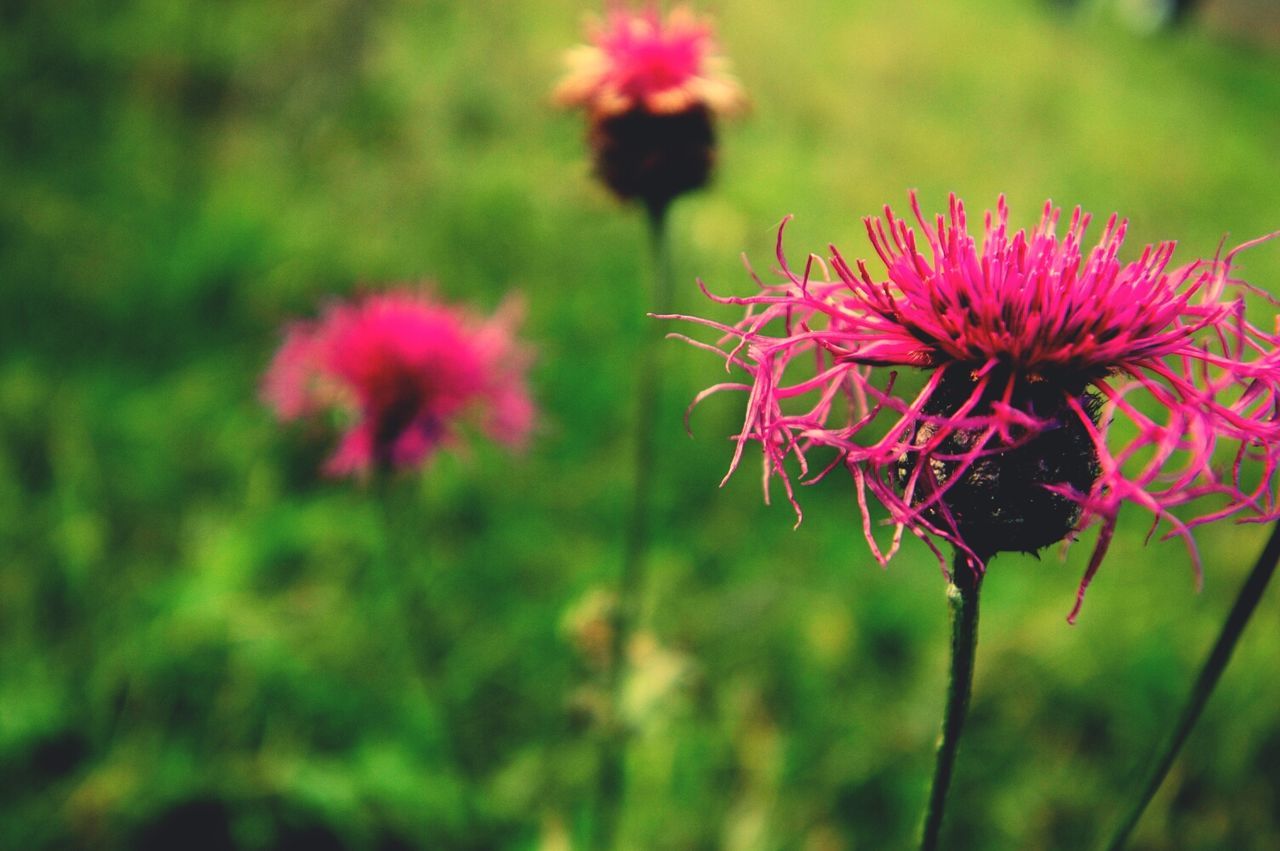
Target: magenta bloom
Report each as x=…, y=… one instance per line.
x=635, y=60
x=651, y=90
x=1057, y=385
x=407, y=370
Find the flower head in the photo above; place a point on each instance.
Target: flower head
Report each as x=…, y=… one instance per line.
x=638, y=61
x=1058, y=384
x=407, y=369
x=650, y=89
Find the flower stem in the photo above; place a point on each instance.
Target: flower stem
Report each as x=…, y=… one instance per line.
x=1214, y=665
x=962, y=594
x=611, y=781
x=398, y=575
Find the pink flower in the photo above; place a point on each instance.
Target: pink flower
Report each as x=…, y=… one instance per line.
x=1056, y=386
x=636, y=60
x=407, y=370
x=650, y=90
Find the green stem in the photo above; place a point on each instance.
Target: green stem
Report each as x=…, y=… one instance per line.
x=1246, y=602
x=611, y=782
x=396, y=578
x=962, y=594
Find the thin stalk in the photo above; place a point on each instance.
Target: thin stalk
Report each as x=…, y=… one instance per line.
x=962, y=594
x=397, y=580
x=611, y=782
x=1246, y=601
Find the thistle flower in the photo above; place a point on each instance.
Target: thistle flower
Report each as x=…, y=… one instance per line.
x=407, y=370
x=1057, y=384
x=650, y=90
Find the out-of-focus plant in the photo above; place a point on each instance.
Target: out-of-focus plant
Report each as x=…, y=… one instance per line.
x=405, y=371
x=652, y=88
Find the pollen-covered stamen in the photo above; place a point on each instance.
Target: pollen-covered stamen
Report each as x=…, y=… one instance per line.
x=995, y=493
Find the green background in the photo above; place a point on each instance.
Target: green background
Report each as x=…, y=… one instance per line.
x=200, y=632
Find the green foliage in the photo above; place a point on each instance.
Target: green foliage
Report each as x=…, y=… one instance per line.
x=198, y=629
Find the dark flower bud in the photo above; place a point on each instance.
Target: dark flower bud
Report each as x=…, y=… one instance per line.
x=653, y=157
x=1000, y=503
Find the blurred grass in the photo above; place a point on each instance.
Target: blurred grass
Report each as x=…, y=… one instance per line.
x=196, y=629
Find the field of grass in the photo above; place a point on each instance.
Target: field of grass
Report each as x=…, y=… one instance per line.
x=199, y=632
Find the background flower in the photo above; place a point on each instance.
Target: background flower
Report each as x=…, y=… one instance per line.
x=650, y=89
x=1061, y=383
x=408, y=369
x=638, y=60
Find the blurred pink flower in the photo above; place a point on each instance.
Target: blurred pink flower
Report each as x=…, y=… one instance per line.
x=650, y=89
x=1058, y=386
x=636, y=60
x=407, y=369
